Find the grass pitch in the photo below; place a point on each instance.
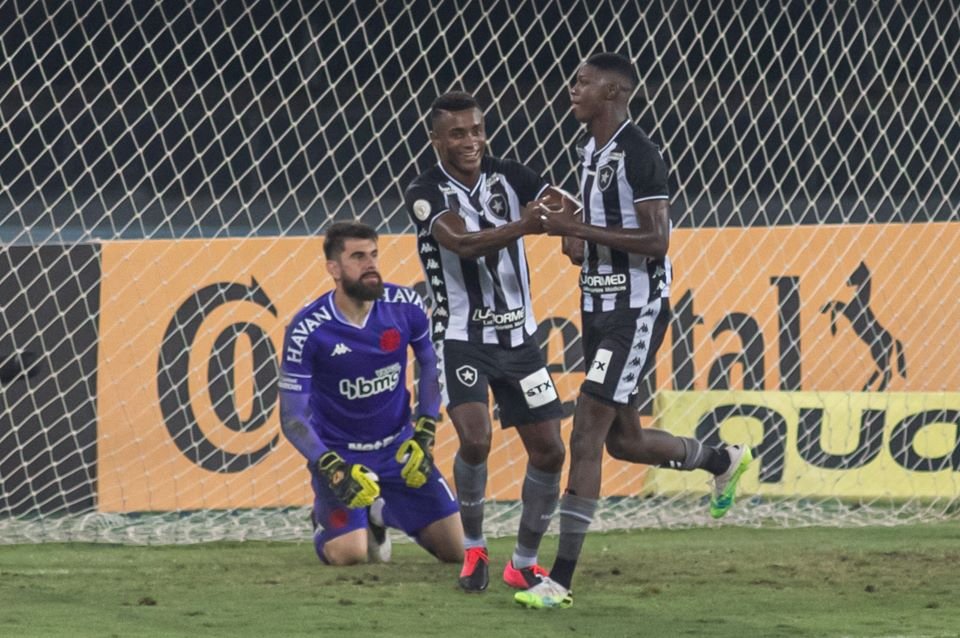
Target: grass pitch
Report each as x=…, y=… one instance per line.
x=725, y=581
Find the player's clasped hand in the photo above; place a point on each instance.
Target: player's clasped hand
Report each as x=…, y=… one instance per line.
x=416, y=453
x=560, y=221
x=354, y=484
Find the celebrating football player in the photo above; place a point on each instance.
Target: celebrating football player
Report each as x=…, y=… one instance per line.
x=624, y=227
x=471, y=212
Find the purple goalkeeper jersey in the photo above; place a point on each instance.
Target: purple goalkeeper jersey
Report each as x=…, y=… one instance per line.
x=355, y=375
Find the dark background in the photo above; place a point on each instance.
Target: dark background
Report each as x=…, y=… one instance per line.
x=168, y=119
x=48, y=424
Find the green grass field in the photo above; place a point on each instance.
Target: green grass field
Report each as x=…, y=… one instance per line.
x=726, y=581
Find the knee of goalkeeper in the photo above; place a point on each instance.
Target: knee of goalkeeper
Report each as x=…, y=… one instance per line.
x=416, y=453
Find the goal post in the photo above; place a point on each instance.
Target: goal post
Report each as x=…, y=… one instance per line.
x=167, y=170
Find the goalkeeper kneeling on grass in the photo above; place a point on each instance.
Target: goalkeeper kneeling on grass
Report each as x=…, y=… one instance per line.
x=344, y=405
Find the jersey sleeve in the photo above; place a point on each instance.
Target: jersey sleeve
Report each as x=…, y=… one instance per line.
x=527, y=183
x=425, y=203
x=296, y=364
x=417, y=316
x=428, y=388
x=296, y=370
x=646, y=172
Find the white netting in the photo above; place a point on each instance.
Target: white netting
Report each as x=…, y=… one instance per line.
x=165, y=169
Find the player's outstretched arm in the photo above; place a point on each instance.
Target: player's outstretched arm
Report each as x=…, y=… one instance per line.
x=652, y=238
x=428, y=388
x=574, y=249
x=451, y=232
x=416, y=453
x=294, y=416
x=354, y=485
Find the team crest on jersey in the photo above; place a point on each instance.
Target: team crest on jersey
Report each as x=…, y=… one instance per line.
x=421, y=209
x=390, y=340
x=467, y=375
x=605, y=176
x=497, y=205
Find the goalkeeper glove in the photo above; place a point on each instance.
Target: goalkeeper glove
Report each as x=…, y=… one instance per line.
x=354, y=484
x=416, y=453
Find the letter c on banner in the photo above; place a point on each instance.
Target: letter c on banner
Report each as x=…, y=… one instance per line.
x=173, y=371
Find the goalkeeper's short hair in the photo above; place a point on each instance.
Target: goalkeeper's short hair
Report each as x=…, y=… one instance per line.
x=340, y=232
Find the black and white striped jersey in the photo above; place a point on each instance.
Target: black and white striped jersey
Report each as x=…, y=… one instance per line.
x=487, y=299
x=628, y=169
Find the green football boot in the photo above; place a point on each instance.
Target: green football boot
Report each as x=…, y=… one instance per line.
x=547, y=594
x=725, y=485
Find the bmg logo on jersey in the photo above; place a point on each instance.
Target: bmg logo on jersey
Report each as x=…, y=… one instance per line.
x=385, y=380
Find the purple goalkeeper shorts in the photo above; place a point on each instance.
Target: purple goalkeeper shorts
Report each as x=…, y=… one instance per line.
x=408, y=509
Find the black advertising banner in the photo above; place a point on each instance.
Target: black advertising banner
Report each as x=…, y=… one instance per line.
x=50, y=305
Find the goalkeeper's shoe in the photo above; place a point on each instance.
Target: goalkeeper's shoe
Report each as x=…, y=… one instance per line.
x=725, y=485
x=523, y=578
x=379, y=546
x=547, y=594
x=475, y=575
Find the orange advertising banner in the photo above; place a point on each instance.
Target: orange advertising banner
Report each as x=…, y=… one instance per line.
x=823, y=308
x=173, y=414
x=190, y=333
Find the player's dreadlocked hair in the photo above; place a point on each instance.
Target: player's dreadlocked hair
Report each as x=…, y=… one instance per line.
x=452, y=101
x=340, y=232
x=615, y=63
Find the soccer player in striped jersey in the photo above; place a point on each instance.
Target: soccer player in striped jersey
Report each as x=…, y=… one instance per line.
x=471, y=212
x=345, y=406
x=623, y=233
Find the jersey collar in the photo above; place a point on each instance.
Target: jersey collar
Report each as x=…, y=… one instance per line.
x=613, y=138
x=339, y=317
x=461, y=185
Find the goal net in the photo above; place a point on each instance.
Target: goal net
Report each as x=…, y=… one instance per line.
x=167, y=170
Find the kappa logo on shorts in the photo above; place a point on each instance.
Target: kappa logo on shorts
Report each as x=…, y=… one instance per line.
x=467, y=375
x=598, y=369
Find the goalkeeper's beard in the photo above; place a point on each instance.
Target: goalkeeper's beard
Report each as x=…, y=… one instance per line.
x=362, y=291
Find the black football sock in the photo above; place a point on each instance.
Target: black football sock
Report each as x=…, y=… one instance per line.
x=576, y=514
x=698, y=456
